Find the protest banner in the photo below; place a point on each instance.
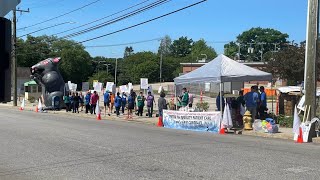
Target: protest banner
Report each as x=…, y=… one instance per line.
x=196, y=121
x=109, y=86
x=98, y=87
x=123, y=88
x=130, y=86
x=85, y=86
x=144, y=83
x=150, y=89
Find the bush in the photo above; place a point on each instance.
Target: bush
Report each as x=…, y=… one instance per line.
x=285, y=121
x=204, y=106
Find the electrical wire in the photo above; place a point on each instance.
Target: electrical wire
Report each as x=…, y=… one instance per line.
x=101, y=18
x=60, y=15
x=123, y=44
x=117, y=19
x=144, y=22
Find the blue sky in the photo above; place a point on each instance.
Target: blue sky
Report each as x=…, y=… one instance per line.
x=216, y=21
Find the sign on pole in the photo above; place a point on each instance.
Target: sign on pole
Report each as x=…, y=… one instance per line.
x=144, y=83
x=7, y=5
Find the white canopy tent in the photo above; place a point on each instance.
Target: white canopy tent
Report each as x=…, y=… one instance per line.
x=223, y=69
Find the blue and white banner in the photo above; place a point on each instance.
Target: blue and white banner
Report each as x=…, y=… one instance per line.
x=196, y=121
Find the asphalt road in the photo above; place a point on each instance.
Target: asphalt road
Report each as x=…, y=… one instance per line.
x=49, y=146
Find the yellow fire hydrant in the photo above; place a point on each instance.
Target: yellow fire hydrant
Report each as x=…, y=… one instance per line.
x=247, y=121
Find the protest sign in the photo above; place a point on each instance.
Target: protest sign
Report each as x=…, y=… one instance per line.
x=123, y=88
x=98, y=87
x=109, y=86
x=85, y=86
x=196, y=121
x=150, y=89
x=130, y=86
x=144, y=83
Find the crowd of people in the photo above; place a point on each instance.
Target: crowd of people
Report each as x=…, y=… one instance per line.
x=115, y=103
x=254, y=101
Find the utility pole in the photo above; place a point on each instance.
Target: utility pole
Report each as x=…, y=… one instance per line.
x=13, y=54
x=115, y=72
x=160, y=78
x=310, y=58
x=261, y=51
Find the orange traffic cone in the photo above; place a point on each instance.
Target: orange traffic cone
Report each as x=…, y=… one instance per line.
x=98, y=112
x=160, y=123
x=222, y=130
x=99, y=116
x=37, y=109
x=300, y=138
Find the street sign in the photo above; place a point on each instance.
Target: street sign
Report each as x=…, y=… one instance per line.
x=7, y=5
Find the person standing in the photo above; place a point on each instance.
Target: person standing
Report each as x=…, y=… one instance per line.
x=140, y=103
x=162, y=104
x=262, y=103
x=66, y=100
x=93, y=101
x=218, y=101
x=134, y=96
x=123, y=101
x=81, y=100
x=112, y=98
x=150, y=101
x=87, y=102
x=71, y=100
x=130, y=106
x=252, y=99
x=76, y=101
x=106, y=103
x=185, y=98
x=117, y=104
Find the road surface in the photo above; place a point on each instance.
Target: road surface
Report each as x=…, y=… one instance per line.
x=50, y=146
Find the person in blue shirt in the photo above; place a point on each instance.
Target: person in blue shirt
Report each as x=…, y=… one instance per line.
x=252, y=99
x=218, y=101
x=263, y=103
x=117, y=104
x=131, y=104
x=123, y=101
x=87, y=102
x=106, y=102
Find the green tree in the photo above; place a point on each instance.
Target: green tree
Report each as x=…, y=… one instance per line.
x=75, y=65
x=288, y=64
x=259, y=40
x=101, y=77
x=181, y=47
x=128, y=51
x=164, y=47
x=199, y=48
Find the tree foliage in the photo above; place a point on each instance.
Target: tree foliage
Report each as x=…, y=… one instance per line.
x=181, y=47
x=200, y=48
x=261, y=40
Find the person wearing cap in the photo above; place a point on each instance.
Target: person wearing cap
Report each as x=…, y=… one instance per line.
x=150, y=101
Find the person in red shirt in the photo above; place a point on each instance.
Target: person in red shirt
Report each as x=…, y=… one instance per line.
x=93, y=101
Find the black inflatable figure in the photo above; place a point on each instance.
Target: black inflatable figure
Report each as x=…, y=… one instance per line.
x=47, y=74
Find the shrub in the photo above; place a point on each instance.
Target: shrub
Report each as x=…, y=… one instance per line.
x=285, y=121
x=204, y=106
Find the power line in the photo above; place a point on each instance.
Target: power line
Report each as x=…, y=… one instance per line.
x=101, y=18
x=123, y=44
x=55, y=25
x=60, y=15
x=117, y=19
x=139, y=24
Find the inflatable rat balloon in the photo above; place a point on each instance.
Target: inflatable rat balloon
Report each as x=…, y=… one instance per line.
x=47, y=74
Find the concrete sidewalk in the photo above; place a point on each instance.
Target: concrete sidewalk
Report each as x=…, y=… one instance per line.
x=284, y=133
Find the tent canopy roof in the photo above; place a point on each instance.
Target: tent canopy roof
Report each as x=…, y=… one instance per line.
x=223, y=69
